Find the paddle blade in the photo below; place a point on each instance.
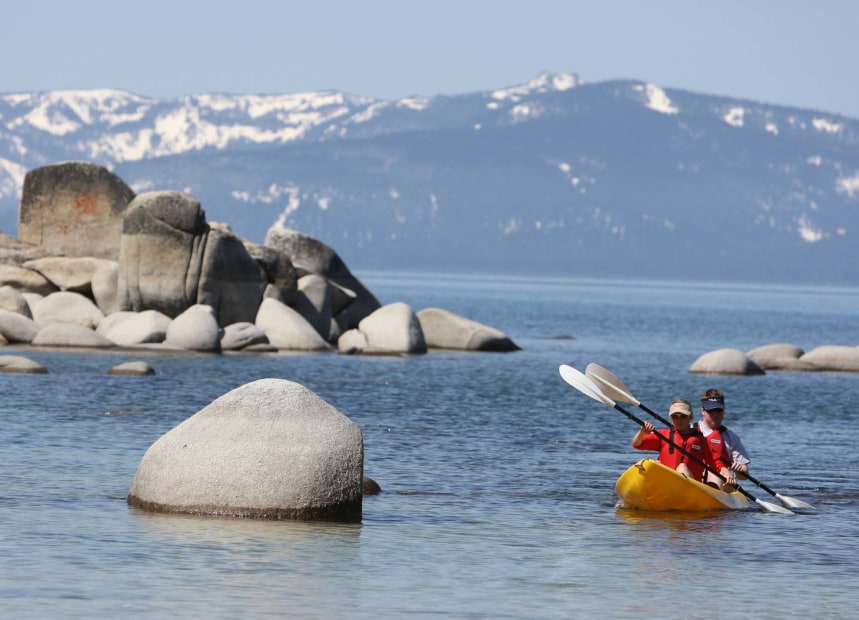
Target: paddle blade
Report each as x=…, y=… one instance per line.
x=583, y=384
x=792, y=502
x=770, y=507
x=610, y=385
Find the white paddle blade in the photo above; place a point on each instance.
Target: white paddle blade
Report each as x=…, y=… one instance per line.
x=770, y=507
x=610, y=385
x=584, y=385
x=792, y=502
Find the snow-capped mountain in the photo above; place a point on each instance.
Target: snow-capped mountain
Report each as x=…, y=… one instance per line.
x=618, y=178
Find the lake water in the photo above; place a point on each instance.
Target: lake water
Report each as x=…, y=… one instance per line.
x=498, y=478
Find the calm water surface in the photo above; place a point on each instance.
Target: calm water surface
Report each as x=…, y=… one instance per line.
x=498, y=478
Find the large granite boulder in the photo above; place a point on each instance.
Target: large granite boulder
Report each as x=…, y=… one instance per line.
x=231, y=282
x=70, y=274
x=833, y=358
x=313, y=302
x=278, y=268
x=15, y=252
x=171, y=259
x=238, y=336
x=268, y=449
x=393, y=329
x=445, y=330
x=196, y=329
x=309, y=255
x=17, y=328
x=14, y=301
x=25, y=280
x=725, y=362
x=67, y=307
x=74, y=208
x=286, y=329
x=105, y=283
x=70, y=335
x=133, y=328
x=161, y=253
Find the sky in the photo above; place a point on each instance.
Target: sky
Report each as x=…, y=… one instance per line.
x=800, y=53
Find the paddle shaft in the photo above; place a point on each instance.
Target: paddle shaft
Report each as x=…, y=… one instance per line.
x=683, y=450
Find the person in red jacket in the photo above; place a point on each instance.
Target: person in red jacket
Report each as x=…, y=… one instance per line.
x=683, y=435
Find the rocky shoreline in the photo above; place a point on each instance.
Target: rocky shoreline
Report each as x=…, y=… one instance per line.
x=96, y=266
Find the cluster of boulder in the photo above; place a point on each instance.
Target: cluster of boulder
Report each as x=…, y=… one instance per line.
x=779, y=356
x=95, y=265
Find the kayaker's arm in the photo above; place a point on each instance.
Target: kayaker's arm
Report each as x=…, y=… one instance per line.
x=646, y=428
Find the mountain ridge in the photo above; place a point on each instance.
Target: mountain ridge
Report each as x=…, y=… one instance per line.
x=554, y=175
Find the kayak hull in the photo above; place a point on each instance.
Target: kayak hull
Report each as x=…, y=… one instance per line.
x=650, y=485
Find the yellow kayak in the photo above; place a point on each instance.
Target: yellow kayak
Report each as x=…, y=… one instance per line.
x=650, y=485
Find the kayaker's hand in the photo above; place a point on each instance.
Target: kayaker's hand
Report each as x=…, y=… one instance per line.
x=730, y=483
x=740, y=468
x=648, y=427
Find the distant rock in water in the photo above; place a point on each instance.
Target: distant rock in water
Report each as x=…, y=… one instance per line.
x=445, y=330
x=21, y=365
x=725, y=362
x=134, y=369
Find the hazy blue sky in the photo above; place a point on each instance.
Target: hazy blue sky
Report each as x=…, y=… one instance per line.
x=790, y=52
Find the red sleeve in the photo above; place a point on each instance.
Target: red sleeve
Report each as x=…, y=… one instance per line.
x=650, y=441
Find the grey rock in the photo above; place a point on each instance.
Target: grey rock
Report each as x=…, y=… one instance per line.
x=725, y=362
x=833, y=358
x=313, y=302
x=393, y=329
x=22, y=365
x=231, y=282
x=309, y=255
x=196, y=329
x=105, y=283
x=240, y=335
x=161, y=253
x=25, y=280
x=16, y=327
x=446, y=330
x=73, y=208
x=67, y=307
x=13, y=301
x=133, y=328
x=15, y=252
x=70, y=274
x=133, y=369
x=278, y=268
x=286, y=329
x=352, y=342
x=268, y=449
x=70, y=335
x=780, y=356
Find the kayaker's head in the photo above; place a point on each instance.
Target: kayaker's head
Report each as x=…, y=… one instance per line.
x=681, y=414
x=713, y=408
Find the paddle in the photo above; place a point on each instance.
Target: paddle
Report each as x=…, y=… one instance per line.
x=586, y=386
x=614, y=388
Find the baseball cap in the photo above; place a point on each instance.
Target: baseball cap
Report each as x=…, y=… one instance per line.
x=682, y=408
x=713, y=403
